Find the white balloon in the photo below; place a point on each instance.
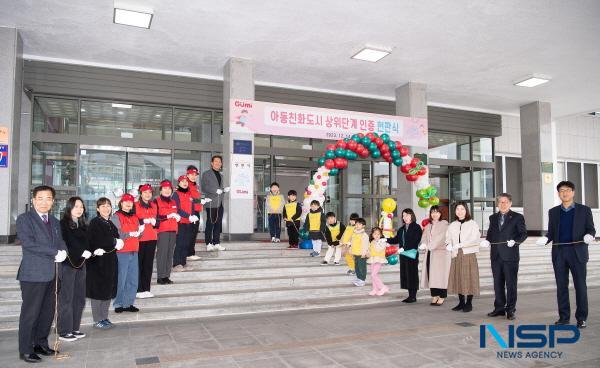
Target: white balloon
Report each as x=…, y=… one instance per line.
x=406, y=160
x=422, y=182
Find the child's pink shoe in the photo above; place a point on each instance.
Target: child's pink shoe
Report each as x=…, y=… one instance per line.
x=383, y=290
x=373, y=292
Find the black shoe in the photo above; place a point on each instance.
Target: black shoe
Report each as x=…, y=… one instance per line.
x=30, y=358
x=168, y=281
x=119, y=310
x=44, y=350
x=510, y=316
x=131, y=308
x=581, y=324
x=467, y=308
x=496, y=313
x=160, y=281
x=459, y=307
x=409, y=300
x=562, y=322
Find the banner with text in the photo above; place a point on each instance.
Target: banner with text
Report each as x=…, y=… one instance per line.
x=312, y=122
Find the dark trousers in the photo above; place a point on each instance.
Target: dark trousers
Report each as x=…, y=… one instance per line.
x=193, y=236
x=182, y=244
x=292, y=231
x=564, y=260
x=505, y=284
x=360, y=265
x=214, y=222
x=275, y=225
x=146, y=262
x=37, y=313
x=71, y=299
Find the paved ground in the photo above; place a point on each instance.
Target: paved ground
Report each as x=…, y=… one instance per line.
x=402, y=335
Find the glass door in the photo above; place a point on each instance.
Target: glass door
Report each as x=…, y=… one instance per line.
x=101, y=174
x=151, y=168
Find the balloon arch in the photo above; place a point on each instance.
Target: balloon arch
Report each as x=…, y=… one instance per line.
x=337, y=155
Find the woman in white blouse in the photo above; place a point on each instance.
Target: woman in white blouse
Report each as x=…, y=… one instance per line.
x=462, y=239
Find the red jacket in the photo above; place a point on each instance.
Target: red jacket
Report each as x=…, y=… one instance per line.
x=184, y=204
x=196, y=195
x=145, y=211
x=128, y=222
x=166, y=206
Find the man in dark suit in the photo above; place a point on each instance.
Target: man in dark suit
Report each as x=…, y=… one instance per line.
x=570, y=229
x=43, y=247
x=506, y=231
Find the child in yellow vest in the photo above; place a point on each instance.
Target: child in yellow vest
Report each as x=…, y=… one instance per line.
x=315, y=225
x=275, y=203
x=359, y=247
x=377, y=260
x=345, y=242
x=333, y=235
x=292, y=211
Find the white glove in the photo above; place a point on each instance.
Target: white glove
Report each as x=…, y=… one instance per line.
x=141, y=229
x=152, y=221
x=207, y=200
x=86, y=254
x=484, y=244
x=60, y=256
x=99, y=252
x=423, y=246
x=193, y=219
x=400, y=250
x=133, y=234
x=120, y=244
x=510, y=243
x=542, y=241
x=588, y=239
x=146, y=221
x=226, y=189
x=449, y=247
x=171, y=215
x=177, y=217
x=203, y=201
x=219, y=191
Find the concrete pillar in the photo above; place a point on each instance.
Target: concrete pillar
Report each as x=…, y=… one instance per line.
x=238, y=78
x=411, y=100
x=537, y=152
x=11, y=87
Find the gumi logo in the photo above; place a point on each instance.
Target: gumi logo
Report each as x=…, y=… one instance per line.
x=530, y=336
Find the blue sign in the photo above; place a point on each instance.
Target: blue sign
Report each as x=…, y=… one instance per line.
x=3, y=155
x=242, y=147
x=530, y=336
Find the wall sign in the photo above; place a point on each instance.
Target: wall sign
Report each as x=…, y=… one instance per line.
x=3, y=155
x=242, y=147
x=242, y=176
x=248, y=116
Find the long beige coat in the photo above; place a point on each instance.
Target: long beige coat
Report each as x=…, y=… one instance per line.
x=434, y=237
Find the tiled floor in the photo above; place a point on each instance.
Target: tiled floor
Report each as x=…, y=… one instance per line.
x=415, y=335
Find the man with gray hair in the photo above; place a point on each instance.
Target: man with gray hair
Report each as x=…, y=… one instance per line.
x=505, y=233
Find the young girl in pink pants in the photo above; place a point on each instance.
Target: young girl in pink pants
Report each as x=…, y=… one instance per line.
x=377, y=260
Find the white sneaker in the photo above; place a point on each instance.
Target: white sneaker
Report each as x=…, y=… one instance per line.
x=140, y=295
x=178, y=268
x=219, y=247
x=149, y=294
x=210, y=247
x=277, y=240
x=193, y=258
x=273, y=240
x=188, y=267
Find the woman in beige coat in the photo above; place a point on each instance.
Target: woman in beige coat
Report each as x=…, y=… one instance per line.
x=436, y=267
x=463, y=239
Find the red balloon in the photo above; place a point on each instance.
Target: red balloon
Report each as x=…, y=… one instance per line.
x=403, y=168
x=361, y=135
x=425, y=222
x=398, y=145
x=378, y=141
x=359, y=147
x=384, y=148
x=330, y=147
x=341, y=144
x=371, y=136
x=324, y=183
x=392, y=249
x=352, y=145
x=423, y=171
x=318, y=176
x=414, y=162
x=329, y=164
x=340, y=163
x=411, y=177
x=389, y=159
x=364, y=153
x=390, y=215
x=386, y=155
x=403, y=151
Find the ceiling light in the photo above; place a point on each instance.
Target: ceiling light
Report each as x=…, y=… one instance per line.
x=82, y=110
x=532, y=81
x=157, y=116
x=369, y=54
x=121, y=106
x=133, y=18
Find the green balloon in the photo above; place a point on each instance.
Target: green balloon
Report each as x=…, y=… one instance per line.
x=340, y=152
x=385, y=137
x=434, y=201
x=303, y=233
x=375, y=135
x=366, y=140
x=395, y=154
x=392, y=259
x=334, y=172
x=424, y=203
x=398, y=161
x=330, y=154
x=392, y=145
x=322, y=161
x=356, y=138
x=346, y=140
x=372, y=146
x=348, y=154
x=421, y=193
x=376, y=154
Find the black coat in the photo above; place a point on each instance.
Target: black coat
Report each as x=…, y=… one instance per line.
x=335, y=241
x=512, y=229
x=583, y=223
x=408, y=238
x=101, y=281
x=77, y=242
x=316, y=235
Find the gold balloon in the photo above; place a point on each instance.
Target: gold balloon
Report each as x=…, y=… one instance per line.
x=388, y=205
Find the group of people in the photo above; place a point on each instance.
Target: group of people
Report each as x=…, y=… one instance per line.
x=110, y=257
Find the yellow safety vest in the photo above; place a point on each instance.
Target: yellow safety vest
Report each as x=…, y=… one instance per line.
x=274, y=202
x=356, y=244
x=290, y=210
x=347, y=234
x=314, y=221
x=374, y=252
x=335, y=231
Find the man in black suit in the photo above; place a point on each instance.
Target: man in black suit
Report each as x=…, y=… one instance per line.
x=506, y=231
x=571, y=229
x=43, y=247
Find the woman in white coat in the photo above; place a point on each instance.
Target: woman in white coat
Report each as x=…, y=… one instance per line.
x=462, y=238
x=436, y=266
